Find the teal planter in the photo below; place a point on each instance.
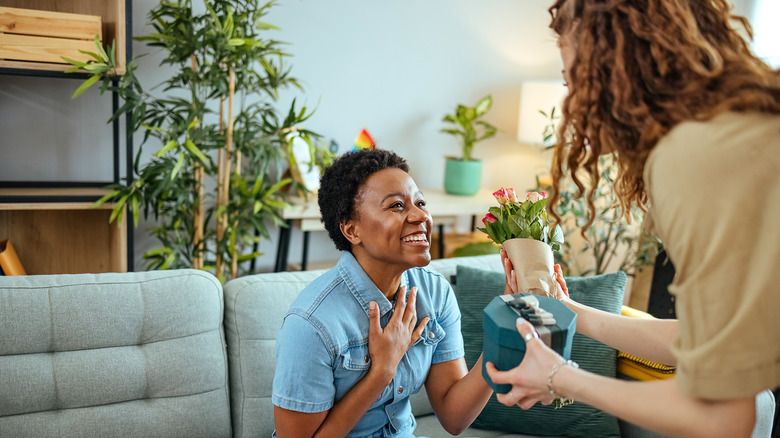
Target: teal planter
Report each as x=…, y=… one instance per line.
x=462, y=178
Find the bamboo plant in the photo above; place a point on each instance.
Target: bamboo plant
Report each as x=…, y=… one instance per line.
x=216, y=177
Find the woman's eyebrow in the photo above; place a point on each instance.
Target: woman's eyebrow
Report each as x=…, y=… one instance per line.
x=401, y=195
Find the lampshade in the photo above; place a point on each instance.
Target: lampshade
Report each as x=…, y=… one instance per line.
x=535, y=96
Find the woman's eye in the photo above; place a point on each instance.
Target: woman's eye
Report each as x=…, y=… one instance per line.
x=397, y=205
x=421, y=204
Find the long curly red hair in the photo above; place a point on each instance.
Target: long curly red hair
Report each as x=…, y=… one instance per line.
x=642, y=67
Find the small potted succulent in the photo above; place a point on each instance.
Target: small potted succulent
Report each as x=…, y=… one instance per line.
x=463, y=175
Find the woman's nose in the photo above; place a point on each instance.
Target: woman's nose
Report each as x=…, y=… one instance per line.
x=418, y=214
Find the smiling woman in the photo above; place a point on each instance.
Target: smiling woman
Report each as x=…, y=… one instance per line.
x=367, y=334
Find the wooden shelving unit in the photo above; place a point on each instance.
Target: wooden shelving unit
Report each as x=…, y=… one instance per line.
x=113, y=18
x=52, y=225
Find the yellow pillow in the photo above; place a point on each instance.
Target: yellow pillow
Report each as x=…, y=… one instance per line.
x=636, y=367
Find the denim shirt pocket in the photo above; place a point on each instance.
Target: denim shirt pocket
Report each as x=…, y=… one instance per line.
x=432, y=334
x=356, y=358
x=352, y=365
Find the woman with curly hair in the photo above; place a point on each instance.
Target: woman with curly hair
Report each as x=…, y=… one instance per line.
x=350, y=351
x=671, y=88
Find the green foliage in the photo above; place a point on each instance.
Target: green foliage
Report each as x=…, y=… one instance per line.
x=467, y=128
x=475, y=249
x=206, y=53
x=524, y=220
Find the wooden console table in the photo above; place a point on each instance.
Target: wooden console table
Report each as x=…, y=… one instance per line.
x=444, y=209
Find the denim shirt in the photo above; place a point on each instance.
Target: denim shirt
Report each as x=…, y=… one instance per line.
x=322, y=348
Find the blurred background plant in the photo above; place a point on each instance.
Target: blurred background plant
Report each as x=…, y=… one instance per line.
x=611, y=243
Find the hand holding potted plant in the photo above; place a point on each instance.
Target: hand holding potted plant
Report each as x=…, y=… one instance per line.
x=463, y=176
x=525, y=232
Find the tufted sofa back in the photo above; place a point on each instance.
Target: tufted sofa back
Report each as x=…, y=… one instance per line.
x=113, y=355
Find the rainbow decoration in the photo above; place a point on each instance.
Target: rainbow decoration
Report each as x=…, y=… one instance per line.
x=364, y=141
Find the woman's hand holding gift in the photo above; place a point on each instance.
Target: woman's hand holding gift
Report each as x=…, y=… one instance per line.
x=531, y=380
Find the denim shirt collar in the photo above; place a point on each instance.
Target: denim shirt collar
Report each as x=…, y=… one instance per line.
x=361, y=285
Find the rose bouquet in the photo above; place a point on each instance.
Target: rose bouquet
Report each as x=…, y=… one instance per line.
x=524, y=220
x=525, y=232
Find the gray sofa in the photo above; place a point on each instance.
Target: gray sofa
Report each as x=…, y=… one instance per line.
x=158, y=354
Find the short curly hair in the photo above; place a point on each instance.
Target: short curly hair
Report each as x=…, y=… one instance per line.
x=341, y=182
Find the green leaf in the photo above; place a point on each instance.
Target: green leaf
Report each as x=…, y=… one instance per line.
x=195, y=151
x=103, y=54
x=236, y=42
x=275, y=188
x=73, y=62
x=247, y=257
x=135, y=211
x=118, y=210
x=88, y=83
x=177, y=167
x=104, y=199
x=273, y=203
x=165, y=149
x=93, y=55
x=483, y=105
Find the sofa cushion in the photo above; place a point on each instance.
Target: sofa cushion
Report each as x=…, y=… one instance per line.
x=255, y=307
x=119, y=355
x=475, y=288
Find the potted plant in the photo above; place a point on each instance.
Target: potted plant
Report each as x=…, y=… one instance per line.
x=463, y=175
x=215, y=180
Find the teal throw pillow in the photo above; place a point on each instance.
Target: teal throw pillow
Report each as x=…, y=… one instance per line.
x=475, y=288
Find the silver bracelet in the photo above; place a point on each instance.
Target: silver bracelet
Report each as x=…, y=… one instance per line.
x=559, y=401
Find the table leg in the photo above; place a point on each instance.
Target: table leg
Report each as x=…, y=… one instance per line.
x=283, y=247
x=305, y=257
x=441, y=241
x=255, y=245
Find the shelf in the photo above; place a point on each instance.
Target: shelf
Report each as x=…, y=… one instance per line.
x=111, y=12
x=64, y=238
x=36, y=197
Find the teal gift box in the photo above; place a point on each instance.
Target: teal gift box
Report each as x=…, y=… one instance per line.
x=503, y=345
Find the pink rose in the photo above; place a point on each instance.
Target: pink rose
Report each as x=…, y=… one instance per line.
x=511, y=195
x=535, y=196
x=501, y=196
x=489, y=218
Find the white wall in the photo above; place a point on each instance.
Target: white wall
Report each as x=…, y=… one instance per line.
x=393, y=67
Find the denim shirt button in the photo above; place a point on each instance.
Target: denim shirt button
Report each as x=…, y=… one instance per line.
x=366, y=358
x=431, y=335
x=400, y=389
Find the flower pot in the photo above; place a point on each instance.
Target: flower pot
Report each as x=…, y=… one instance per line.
x=462, y=177
x=533, y=263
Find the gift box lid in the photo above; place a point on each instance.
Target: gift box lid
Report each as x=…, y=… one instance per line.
x=499, y=318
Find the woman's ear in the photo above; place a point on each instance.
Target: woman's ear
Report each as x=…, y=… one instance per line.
x=350, y=231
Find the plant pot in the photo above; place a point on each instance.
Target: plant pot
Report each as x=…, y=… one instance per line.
x=462, y=177
x=533, y=263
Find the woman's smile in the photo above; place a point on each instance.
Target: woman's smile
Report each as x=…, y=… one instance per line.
x=419, y=238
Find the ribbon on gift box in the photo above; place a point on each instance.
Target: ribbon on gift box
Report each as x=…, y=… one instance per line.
x=527, y=307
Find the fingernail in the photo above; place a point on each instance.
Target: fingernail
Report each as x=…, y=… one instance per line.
x=372, y=305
